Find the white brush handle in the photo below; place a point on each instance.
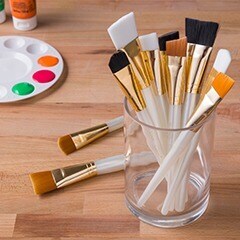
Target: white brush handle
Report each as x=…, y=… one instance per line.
x=177, y=150
x=142, y=159
x=163, y=107
x=110, y=164
x=190, y=103
x=175, y=123
x=179, y=177
x=115, y=124
x=151, y=137
x=152, y=110
x=151, y=105
x=187, y=158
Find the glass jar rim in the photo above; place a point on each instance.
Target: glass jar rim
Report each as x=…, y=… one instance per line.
x=127, y=110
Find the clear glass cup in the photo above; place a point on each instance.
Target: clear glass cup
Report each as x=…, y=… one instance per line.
x=168, y=206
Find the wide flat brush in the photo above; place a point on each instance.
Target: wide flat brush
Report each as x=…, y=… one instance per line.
x=47, y=181
x=72, y=142
x=125, y=37
x=201, y=37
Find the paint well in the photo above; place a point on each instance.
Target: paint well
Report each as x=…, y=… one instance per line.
x=43, y=76
x=48, y=61
x=23, y=88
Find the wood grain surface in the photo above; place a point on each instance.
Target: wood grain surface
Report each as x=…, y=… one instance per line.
x=87, y=95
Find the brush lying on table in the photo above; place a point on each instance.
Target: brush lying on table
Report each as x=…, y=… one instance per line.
x=72, y=142
x=47, y=181
x=165, y=85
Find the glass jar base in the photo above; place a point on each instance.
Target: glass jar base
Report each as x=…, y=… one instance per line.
x=173, y=222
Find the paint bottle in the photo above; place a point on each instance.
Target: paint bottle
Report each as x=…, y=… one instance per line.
x=2, y=12
x=24, y=14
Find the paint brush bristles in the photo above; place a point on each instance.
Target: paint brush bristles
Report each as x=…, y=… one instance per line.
x=201, y=32
x=167, y=37
x=72, y=142
x=66, y=144
x=177, y=47
x=123, y=31
x=222, y=84
x=42, y=182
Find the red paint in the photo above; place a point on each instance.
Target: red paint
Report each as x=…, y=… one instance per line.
x=43, y=76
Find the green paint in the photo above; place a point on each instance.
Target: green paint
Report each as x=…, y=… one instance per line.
x=1, y=5
x=23, y=88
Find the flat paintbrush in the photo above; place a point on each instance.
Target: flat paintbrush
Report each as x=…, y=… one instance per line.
x=162, y=40
x=72, y=142
x=201, y=36
x=150, y=48
x=47, y=181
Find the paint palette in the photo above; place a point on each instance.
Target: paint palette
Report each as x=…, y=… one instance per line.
x=28, y=67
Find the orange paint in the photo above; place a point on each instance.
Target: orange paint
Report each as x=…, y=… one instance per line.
x=23, y=9
x=48, y=61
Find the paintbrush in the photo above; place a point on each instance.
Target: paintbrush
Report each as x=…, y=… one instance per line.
x=201, y=36
x=47, y=181
x=162, y=40
x=220, y=87
x=128, y=82
x=72, y=142
x=176, y=82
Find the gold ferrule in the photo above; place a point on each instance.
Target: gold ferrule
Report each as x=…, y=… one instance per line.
x=204, y=108
x=133, y=52
x=84, y=137
x=148, y=61
x=203, y=117
x=129, y=84
x=163, y=73
x=208, y=83
x=196, y=66
x=68, y=175
x=176, y=79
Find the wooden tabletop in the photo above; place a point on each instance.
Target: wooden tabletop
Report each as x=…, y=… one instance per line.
x=87, y=95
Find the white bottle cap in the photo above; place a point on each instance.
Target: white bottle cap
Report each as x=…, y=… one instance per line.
x=2, y=16
x=25, y=24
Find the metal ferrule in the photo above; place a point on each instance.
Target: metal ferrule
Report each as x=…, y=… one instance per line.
x=129, y=84
x=204, y=109
x=208, y=83
x=197, y=59
x=148, y=60
x=68, y=175
x=84, y=137
x=176, y=79
x=133, y=52
x=163, y=73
